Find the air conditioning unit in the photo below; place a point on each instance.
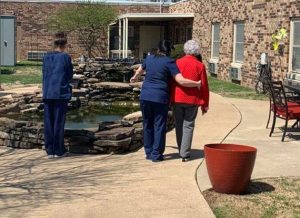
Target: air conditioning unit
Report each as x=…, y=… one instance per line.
x=115, y=54
x=36, y=55
x=235, y=73
x=213, y=68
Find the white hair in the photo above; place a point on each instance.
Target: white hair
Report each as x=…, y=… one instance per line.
x=191, y=47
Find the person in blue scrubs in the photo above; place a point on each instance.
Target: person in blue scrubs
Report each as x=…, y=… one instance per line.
x=155, y=97
x=57, y=74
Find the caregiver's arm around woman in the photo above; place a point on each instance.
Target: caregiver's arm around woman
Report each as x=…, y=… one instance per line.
x=178, y=77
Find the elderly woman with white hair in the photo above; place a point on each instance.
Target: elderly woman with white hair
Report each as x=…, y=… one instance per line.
x=186, y=100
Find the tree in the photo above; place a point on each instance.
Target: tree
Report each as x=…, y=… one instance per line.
x=88, y=20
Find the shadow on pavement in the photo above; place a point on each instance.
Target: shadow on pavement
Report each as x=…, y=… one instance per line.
x=196, y=154
x=29, y=180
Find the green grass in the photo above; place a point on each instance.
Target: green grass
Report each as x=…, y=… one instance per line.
x=269, y=212
x=232, y=90
x=25, y=72
x=14, y=79
x=282, y=201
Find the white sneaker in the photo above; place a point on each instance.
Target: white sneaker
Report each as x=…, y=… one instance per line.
x=61, y=156
x=50, y=156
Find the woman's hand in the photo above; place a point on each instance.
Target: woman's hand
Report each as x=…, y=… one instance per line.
x=204, y=110
x=199, y=84
x=133, y=79
x=137, y=73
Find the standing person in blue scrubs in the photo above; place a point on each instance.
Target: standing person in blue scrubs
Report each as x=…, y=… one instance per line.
x=155, y=97
x=57, y=74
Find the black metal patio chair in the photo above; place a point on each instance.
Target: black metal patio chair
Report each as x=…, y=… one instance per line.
x=282, y=106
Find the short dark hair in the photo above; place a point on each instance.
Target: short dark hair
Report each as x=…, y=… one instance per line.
x=165, y=46
x=60, y=39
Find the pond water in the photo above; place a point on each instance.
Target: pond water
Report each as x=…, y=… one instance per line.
x=89, y=116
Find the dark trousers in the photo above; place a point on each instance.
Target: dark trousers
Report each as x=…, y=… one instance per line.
x=154, y=122
x=54, y=123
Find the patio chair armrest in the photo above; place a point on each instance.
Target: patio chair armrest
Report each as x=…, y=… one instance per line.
x=292, y=93
x=293, y=98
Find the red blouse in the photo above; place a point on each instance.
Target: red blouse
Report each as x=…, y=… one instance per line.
x=192, y=69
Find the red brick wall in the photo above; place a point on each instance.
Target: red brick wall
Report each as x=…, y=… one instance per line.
x=261, y=17
x=32, y=33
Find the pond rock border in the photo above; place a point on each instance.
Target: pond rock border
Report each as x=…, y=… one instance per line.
x=110, y=137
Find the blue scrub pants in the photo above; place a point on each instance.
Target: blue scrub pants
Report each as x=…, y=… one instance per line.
x=54, y=123
x=154, y=122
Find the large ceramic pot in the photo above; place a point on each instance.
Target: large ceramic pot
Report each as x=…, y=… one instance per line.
x=229, y=166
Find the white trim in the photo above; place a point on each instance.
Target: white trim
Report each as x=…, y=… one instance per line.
x=291, y=51
x=126, y=37
x=291, y=46
x=124, y=40
x=236, y=65
x=120, y=38
x=213, y=60
x=107, y=2
x=234, y=39
x=150, y=16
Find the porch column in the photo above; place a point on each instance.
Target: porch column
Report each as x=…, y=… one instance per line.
x=124, y=38
x=126, y=45
x=108, y=40
x=120, y=38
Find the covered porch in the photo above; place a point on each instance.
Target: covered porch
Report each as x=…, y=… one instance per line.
x=135, y=35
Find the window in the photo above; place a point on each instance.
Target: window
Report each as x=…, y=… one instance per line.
x=189, y=33
x=215, y=51
x=114, y=38
x=295, y=46
x=182, y=34
x=238, y=48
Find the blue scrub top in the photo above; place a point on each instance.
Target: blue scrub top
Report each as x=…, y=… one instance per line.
x=57, y=74
x=159, y=71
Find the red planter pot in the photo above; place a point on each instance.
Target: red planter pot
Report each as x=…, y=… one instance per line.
x=229, y=166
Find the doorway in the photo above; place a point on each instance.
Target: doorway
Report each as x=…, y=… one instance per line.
x=149, y=38
x=7, y=40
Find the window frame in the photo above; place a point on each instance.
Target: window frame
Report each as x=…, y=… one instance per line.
x=213, y=41
x=292, y=45
x=235, y=24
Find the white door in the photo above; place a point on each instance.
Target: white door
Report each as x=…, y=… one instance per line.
x=149, y=38
x=7, y=40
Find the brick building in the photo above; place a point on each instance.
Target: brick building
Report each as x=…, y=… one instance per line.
x=32, y=34
x=232, y=33
x=243, y=31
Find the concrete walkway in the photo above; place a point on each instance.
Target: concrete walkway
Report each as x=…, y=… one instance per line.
x=111, y=185
x=274, y=158
x=128, y=185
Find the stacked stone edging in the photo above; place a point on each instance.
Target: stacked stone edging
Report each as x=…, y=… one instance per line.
x=111, y=137
x=90, y=86
x=90, y=83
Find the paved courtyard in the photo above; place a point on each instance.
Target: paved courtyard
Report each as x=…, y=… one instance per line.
x=128, y=185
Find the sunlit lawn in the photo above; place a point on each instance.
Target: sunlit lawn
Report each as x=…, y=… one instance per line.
x=229, y=89
x=25, y=72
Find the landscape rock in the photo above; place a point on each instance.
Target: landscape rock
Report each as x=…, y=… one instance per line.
x=112, y=143
x=135, y=117
x=115, y=134
x=93, y=80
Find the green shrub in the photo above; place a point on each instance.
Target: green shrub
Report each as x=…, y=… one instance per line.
x=177, y=52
